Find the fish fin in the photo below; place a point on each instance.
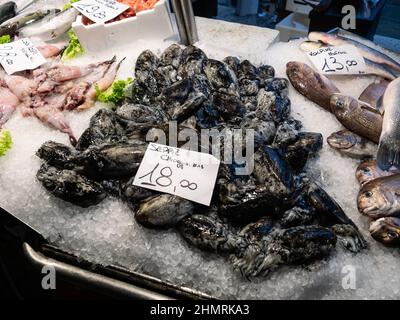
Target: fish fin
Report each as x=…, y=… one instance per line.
x=387, y=155
x=369, y=107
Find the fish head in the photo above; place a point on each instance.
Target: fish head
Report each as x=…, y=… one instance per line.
x=373, y=201
x=294, y=68
x=299, y=74
x=342, y=140
x=366, y=172
x=341, y=103
x=386, y=230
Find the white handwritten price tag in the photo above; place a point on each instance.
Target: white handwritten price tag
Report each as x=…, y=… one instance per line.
x=19, y=56
x=344, y=59
x=187, y=174
x=100, y=11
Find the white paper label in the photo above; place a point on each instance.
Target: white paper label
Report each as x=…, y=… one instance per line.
x=100, y=11
x=187, y=174
x=20, y=55
x=344, y=59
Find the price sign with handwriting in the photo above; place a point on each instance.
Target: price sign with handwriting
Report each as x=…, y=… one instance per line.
x=344, y=59
x=187, y=174
x=100, y=11
x=19, y=56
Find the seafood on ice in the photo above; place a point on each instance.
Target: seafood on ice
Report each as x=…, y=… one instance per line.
x=53, y=88
x=272, y=216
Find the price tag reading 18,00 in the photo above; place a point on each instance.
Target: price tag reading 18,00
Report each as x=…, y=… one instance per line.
x=100, y=11
x=338, y=60
x=19, y=56
x=187, y=174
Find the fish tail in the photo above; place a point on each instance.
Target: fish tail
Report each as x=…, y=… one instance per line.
x=388, y=155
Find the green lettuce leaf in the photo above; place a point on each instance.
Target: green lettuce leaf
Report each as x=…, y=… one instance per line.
x=5, y=142
x=5, y=39
x=74, y=48
x=115, y=93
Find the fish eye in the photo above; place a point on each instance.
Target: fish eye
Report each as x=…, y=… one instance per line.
x=392, y=234
x=366, y=170
x=368, y=194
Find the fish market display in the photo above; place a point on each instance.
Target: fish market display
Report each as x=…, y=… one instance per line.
x=109, y=234
x=273, y=216
x=370, y=119
x=389, y=143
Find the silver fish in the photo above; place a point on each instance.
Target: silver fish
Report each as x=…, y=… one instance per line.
x=52, y=27
x=389, y=143
x=369, y=43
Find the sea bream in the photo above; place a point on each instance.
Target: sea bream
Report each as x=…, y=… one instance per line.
x=314, y=86
x=389, y=143
x=369, y=170
x=357, y=116
x=380, y=197
x=366, y=51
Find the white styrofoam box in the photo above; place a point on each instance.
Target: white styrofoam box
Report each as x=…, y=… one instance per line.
x=294, y=25
x=155, y=24
x=299, y=7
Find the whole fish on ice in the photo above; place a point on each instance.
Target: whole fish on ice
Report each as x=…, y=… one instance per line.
x=380, y=197
x=51, y=27
x=314, y=86
x=389, y=143
x=352, y=145
x=357, y=116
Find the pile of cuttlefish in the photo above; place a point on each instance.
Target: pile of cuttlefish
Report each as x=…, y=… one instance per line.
x=371, y=119
x=273, y=216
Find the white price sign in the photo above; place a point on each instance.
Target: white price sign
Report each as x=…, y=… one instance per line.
x=100, y=11
x=344, y=59
x=20, y=55
x=187, y=174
